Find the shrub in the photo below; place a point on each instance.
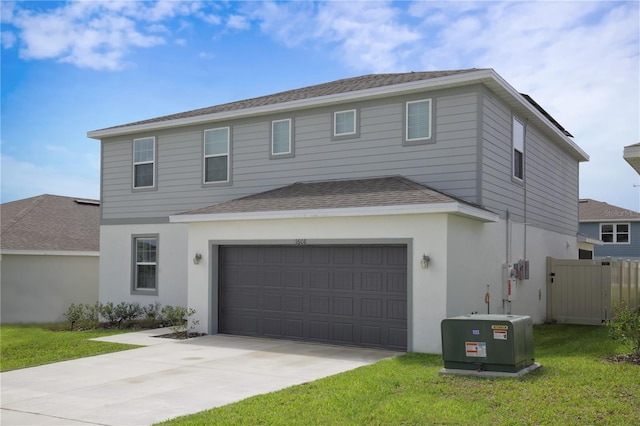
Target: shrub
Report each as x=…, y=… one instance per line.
x=179, y=319
x=152, y=315
x=74, y=314
x=625, y=327
x=109, y=313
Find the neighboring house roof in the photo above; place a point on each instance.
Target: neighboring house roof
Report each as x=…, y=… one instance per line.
x=366, y=87
x=353, y=195
x=50, y=223
x=632, y=155
x=596, y=211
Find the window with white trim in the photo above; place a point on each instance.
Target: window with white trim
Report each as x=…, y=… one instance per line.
x=281, y=137
x=344, y=123
x=418, y=120
x=144, y=156
x=145, y=264
x=216, y=155
x=517, y=135
x=615, y=233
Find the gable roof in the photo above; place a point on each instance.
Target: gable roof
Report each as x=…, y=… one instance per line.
x=366, y=87
x=50, y=223
x=596, y=211
x=631, y=154
x=328, y=198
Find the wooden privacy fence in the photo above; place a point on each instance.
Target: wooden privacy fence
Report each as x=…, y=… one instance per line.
x=587, y=291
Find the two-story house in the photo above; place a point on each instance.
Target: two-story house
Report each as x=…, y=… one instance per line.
x=616, y=227
x=361, y=211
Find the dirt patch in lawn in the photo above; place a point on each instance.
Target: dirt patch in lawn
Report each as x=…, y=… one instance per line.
x=630, y=358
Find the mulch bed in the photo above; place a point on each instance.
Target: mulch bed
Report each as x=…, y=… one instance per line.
x=180, y=336
x=630, y=358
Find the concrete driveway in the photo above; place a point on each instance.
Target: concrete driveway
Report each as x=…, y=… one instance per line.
x=167, y=378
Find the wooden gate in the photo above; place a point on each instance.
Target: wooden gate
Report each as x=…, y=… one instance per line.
x=586, y=291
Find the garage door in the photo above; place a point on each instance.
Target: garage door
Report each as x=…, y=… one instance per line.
x=355, y=295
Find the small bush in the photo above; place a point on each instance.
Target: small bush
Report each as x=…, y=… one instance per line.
x=625, y=327
x=151, y=315
x=74, y=314
x=179, y=318
x=109, y=313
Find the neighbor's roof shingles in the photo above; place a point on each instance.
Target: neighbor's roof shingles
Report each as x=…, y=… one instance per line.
x=50, y=223
x=334, y=194
x=597, y=211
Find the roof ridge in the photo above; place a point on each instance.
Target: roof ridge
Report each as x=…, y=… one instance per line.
x=22, y=213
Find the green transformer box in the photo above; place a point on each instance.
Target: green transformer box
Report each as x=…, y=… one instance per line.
x=502, y=343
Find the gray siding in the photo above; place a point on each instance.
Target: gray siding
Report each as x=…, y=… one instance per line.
x=449, y=164
x=548, y=196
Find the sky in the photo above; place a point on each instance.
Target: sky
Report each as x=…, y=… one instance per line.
x=71, y=67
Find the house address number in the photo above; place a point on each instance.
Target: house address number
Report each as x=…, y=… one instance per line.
x=301, y=242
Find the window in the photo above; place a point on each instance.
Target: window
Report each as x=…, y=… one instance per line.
x=145, y=265
x=281, y=137
x=518, y=149
x=216, y=155
x=344, y=123
x=144, y=155
x=615, y=233
x=418, y=120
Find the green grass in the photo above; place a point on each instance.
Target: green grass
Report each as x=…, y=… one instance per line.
x=24, y=346
x=575, y=386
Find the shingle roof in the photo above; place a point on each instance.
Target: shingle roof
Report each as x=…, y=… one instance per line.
x=333, y=194
x=346, y=85
x=591, y=211
x=50, y=223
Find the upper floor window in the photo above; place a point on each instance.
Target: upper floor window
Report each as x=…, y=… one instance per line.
x=145, y=264
x=344, y=123
x=281, y=137
x=216, y=155
x=144, y=156
x=518, y=149
x=615, y=233
x=418, y=120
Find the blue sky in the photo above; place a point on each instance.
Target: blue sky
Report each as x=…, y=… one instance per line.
x=71, y=67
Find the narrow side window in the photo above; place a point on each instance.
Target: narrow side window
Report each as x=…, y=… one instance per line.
x=518, y=149
x=145, y=265
x=418, y=120
x=216, y=155
x=144, y=156
x=281, y=137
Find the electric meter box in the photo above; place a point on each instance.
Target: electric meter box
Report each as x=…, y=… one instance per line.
x=502, y=343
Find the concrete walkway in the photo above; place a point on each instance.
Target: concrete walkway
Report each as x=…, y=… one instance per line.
x=167, y=378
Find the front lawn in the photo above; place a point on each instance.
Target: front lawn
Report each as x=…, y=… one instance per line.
x=575, y=386
x=24, y=346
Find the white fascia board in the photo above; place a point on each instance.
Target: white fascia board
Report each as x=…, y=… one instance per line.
x=589, y=240
x=378, y=92
x=50, y=253
x=452, y=208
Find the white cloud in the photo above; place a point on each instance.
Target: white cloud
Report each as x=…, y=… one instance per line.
x=29, y=180
x=237, y=22
x=94, y=34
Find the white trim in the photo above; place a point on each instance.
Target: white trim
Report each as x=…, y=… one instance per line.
x=406, y=120
x=615, y=233
x=142, y=163
x=49, y=253
x=335, y=122
x=486, y=76
x=452, y=207
x=205, y=156
x=589, y=240
x=290, y=138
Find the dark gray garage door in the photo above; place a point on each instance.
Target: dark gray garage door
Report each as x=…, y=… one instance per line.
x=354, y=295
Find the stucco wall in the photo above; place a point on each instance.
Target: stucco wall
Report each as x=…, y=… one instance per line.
x=116, y=264
x=40, y=288
x=427, y=287
x=476, y=253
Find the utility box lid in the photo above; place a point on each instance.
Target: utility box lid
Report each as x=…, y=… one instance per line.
x=501, y=343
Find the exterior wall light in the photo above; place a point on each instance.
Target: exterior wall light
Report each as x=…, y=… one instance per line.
x=425, y=261
x=197, y=258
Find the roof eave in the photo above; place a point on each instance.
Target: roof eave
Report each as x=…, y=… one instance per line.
x=455, y=208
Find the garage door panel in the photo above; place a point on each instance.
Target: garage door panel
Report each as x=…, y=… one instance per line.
x=325, y=294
